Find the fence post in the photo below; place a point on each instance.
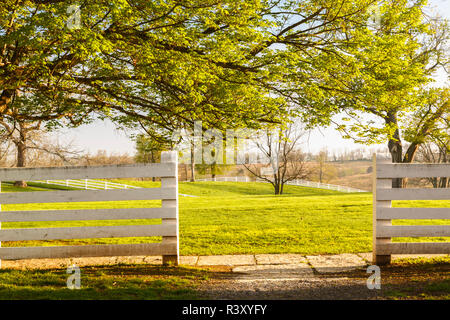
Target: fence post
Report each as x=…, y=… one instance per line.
x=378, y=204
x=171, y=182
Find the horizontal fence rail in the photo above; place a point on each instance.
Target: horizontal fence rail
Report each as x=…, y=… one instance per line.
x=168, y=212
x=24, y=234
x=413, y=248
x=87, y=196
x=383, y=213
x=413, y=170
x=81, y=215
x=140, y=249
x=148, y=170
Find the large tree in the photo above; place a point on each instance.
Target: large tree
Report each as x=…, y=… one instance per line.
x=383, y=79
x=225, y=62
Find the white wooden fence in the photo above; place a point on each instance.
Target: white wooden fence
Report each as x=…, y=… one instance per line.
x=227, y=179
x=168, y=212
x=87, y=184
x=383, y=213
x=313, y=184
x=296, y=182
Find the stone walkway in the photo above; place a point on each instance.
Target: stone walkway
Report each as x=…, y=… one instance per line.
x=238, y=263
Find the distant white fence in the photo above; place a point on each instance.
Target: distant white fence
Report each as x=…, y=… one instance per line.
x=227, y=179
x=90, y=184
x=87, y=184
x=168, y=212
x=296, y=182
x=312, y=184
x=383, y=213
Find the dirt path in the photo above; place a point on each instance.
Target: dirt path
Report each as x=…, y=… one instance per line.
x=305, y=289
x=331, y=278
x=324, y=278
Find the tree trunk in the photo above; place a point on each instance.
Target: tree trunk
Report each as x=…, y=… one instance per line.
x=152, y=161
x=443, y=183
x=192, y=164
x=277, y=188
x=434, y=182
x=410, y=154
x=21, y=161
x=213, y=170
x=320, y=172
x=395, y=149
x=276, y=184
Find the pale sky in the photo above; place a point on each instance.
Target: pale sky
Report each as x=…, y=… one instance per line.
x=102, y=135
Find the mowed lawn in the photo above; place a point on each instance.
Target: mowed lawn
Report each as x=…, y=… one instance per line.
x=240, y=218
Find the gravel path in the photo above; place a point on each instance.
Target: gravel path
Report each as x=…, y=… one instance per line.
x=287, y=282
x=309, y=289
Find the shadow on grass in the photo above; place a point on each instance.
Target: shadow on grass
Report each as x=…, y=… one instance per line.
x=404, y=279
x=420, y=278
x=106, y=282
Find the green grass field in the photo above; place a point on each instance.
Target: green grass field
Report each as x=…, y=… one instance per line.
x=239, y=218
x=224, y=218
x=121, y=281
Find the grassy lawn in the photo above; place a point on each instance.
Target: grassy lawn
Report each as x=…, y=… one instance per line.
x=239, y=218
x=228, y=218
x=134, y=282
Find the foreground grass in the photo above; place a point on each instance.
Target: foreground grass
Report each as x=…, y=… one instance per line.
x=104, y=282
x=405, y=279
x=239, y=218
x=424, y=279
x=411, y=279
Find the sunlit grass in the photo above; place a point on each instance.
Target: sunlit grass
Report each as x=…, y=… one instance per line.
x=127, y=282
x=238, y=218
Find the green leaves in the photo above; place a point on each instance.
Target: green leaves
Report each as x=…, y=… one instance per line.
x=383, y=72
x=228, y=63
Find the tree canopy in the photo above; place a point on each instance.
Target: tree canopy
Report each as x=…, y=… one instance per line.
x=225, y=62
x=385, y=78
